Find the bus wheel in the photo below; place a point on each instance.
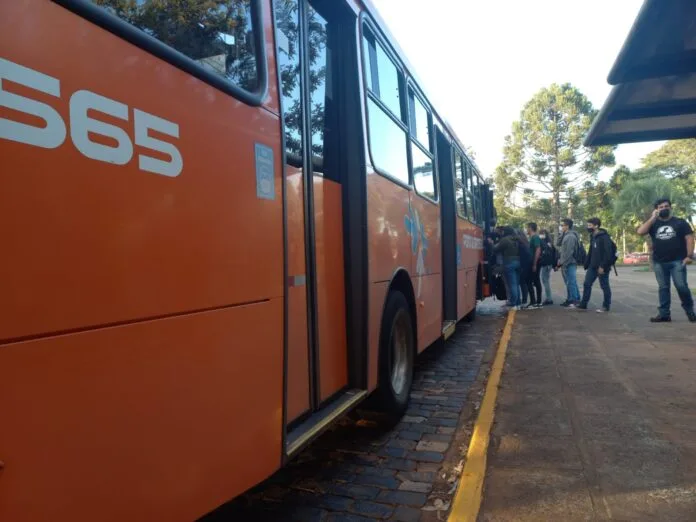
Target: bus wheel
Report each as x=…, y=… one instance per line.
x=396, y=356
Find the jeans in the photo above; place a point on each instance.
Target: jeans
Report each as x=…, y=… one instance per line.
x=534, y=283
x=591, y=276
x=570, y=278
x=677, y=271
x=546, y=279
x=512, y=274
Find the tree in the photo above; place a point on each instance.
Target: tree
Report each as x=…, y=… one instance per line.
x=636, y=200
x=676, y=160
x=545, y=152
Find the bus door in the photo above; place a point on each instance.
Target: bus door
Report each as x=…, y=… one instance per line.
x=319, y=383
x=448, y=216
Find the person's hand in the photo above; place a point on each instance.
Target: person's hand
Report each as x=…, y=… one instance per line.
x=601, y=270
x=687, y=261
x=655, y=214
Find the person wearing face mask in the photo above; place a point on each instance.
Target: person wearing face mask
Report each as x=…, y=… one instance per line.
x=568, y=246
x=598, y=264
x=673, y=251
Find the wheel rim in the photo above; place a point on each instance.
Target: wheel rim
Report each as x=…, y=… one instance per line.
x=400, y=353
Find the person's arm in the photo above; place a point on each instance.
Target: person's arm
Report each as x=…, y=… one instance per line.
x=537, y=256
x=645, y=227
x=689, y=249
x=497, y=248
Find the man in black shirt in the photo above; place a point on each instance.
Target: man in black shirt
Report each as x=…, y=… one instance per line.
x=673, y=250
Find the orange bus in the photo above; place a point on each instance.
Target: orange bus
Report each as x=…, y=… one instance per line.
x=224, y=224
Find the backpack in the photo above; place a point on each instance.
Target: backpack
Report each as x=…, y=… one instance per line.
x=548, y=254
x=614, y=255
x=580, y=253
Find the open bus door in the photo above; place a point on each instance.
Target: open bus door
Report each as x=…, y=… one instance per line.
x=325, y=353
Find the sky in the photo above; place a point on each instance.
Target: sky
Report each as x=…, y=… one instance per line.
x=480, y=61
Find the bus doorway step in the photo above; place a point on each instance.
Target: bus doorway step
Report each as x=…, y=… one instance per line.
x=448, y=329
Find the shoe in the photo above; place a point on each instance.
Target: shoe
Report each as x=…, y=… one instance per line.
x=691, y=316
x=582, y=306
x=602, y=310
x=573, y=306
x=565, y=304
x=660, y=319
x=538, y=306
x=547, y=302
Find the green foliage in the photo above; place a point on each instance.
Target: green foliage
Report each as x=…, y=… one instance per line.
x=636, y=200
x=545, y=152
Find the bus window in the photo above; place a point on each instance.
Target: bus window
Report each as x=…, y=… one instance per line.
x=467, y=173
x=459, y=195
x=218, y=36
x=475, y=189
x=423, y=174
x=419, y=123
x=322, y=107
x=289, y=60
x=387, y=132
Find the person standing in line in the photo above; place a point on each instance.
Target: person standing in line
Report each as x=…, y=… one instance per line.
x=548, y=260
x=525, y=269
x=598, y=264
x=534, y=279
x=569, y=244
x=673, y=251
x=509, y=247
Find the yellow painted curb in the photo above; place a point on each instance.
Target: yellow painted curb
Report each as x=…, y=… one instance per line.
x=467, y=500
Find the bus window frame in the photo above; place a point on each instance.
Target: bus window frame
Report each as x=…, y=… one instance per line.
x=122, y=29
x=412, y=88
x=368, y=96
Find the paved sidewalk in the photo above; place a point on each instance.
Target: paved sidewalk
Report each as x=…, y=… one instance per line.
x=596, y=416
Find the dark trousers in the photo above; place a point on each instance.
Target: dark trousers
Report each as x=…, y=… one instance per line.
x=591, y=275
x=533, y=280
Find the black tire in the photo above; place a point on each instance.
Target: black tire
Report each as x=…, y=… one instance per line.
x=395, y=384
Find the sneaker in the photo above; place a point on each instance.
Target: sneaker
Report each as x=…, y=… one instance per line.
x=573, y=306
x=538, y=306
x=582, y=306
x=660, y=319
x=565, y=304
x=602, y=310
x=547, y=302
x=692, y=316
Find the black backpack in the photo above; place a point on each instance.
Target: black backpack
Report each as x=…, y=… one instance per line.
x=614, y=255
x=580, y=253
x=548, y=254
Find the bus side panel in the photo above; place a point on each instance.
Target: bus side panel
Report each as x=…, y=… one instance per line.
x=95, y=242
x=389, y=248
x=298, y=342
x=389, y=239
x=427, y=258
x=161, y=420
x=469, y=237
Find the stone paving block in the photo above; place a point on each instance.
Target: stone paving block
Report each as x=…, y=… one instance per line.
x=406, y=498
x=416, y=476
x=354, y=491
x=427, y=445
x=376, y=480
x=406, y=514
x=426, y=456
x=418, y=487
x=372, y=509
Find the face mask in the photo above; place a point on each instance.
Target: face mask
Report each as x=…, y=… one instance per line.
x=664, y=212
x=590, y=230
x=542, y=236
